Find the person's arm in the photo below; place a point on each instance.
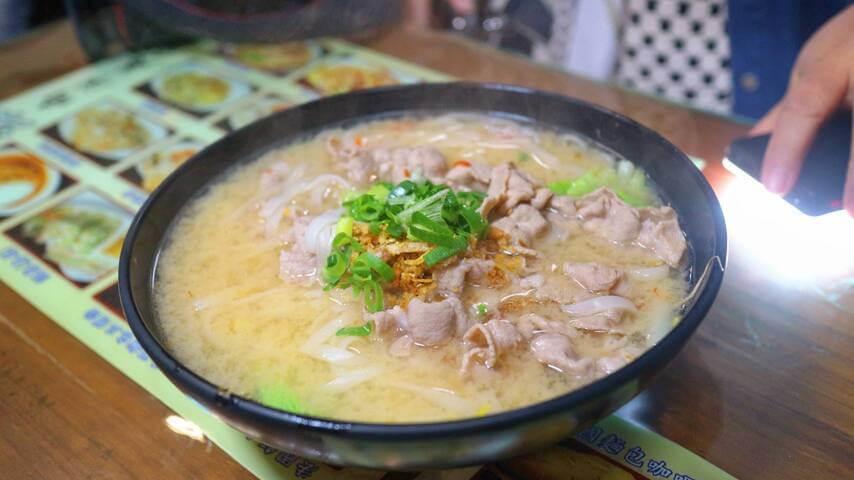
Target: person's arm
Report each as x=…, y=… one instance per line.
x=822, y=81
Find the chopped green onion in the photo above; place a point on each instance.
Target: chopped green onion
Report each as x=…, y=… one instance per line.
x=335, y=267
x=471, y=200
x=481, y=309
x=395, y=230
x=477, y=225
x=367, y=212
x=340, y=240
x=426, y=205
x=560, y=187
x=424, y=229
x=349, y=196
x=401, y=193
x=373, y=296
x=376, y=264
x=361, y=271
x=630, y=186
x=630, y=199
x=416, y=209
x=451, y=210
x=379, y=191
x=439, y=254
x=344, y=225
x=277, y=395
x=361, y=331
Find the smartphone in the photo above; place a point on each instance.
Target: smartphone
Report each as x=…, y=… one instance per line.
x=821, y=184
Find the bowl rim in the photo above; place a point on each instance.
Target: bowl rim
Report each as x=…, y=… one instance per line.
x=659, y=353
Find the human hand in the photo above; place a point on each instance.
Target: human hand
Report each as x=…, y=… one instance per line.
x=418, y=12
x=822, y=81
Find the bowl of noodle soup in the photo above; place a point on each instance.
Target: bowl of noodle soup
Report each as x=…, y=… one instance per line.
x=423, y=276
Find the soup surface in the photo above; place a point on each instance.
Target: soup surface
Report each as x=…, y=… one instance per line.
x=421, y=269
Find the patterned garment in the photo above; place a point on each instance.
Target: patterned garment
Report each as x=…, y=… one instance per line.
x=677, y=49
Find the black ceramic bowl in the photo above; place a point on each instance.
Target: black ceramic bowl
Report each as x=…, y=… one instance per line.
x=443, y=444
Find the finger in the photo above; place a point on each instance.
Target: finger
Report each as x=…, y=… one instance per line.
x=462, y=7
x=848, y=199
x=417, y=13
x=766, y=123
x=808, y=103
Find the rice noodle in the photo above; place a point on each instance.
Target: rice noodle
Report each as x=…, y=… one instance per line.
x=598, y=304
x=239, y=247
x=651, y=273
x=334, y=355
x=252, y=298
x=442, y=397
x=503, y=146
x=321, y=335
x=274, y=208
x=542, y=157
x=244, y=208
x=344, y=342
x=352, y=378
x=318, y=234
x=275, y=203
x=475, y=153
x=625, y=168
x=214, y=299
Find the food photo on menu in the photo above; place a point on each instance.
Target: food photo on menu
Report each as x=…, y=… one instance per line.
x=106, y=132
x=458, y=239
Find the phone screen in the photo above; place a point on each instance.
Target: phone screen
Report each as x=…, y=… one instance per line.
x=821, y=184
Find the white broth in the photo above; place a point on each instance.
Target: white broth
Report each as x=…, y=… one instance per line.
x=241, y=313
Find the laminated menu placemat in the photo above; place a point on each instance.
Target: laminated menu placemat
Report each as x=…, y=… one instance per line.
x=79, y=155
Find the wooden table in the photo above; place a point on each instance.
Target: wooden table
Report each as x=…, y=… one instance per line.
x=765, y=389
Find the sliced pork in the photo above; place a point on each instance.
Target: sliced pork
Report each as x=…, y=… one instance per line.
x=520, y=188
x=426, y=323
x=594, y=277
x=436, y=323
x=453, y=278
x=542, y=196
x=523, y=225
x=556, y=289
x=563, y=206
x=556, y=351
x=531, y=324
x=560, y=212
x=399, y=164
x=660, y=233
x=361, y=169
x=473, y=176
x=485, y=342
x=395, y=164
x=508, y=187
x=389, y=323
x=497, y=190
x=653, y=228
x=606, y=321
x=605, y=214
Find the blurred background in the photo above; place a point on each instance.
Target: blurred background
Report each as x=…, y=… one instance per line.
x=728, y=57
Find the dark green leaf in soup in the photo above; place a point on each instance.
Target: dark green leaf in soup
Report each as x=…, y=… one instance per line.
x=360, y=331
